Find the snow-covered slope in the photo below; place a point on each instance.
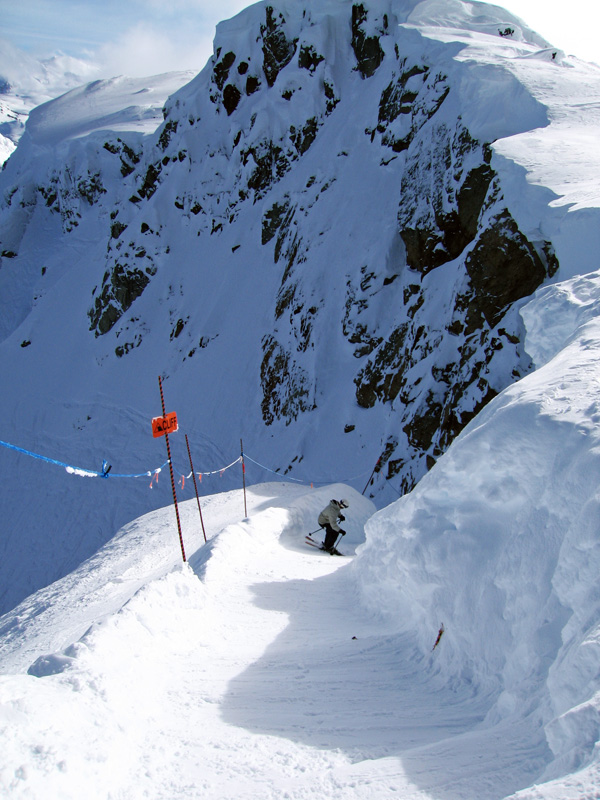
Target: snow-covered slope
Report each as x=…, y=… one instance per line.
x=501, y=542
x=26, y=83
x=322, y=250
x=119, y=104
x=265, y=668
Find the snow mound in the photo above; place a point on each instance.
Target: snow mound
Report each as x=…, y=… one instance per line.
x=501, y=541
x=118, y=104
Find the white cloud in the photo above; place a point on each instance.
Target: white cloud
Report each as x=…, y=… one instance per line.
x=133, y=37
x=168, y=36
x=145, y=50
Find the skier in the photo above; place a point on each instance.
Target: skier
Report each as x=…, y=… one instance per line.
x=328, y=519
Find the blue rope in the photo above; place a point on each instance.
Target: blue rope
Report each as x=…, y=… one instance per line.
x=89, y=473
x=106, y=469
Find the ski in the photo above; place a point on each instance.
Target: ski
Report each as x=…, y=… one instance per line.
x=319, y=546
x=313, y=542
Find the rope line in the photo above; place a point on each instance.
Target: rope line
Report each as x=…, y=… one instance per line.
x=106, y=472
x=298, y=480
x=262, y=466
x=80, y=471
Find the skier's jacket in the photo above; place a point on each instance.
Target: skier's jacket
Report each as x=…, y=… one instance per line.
x=330, y=514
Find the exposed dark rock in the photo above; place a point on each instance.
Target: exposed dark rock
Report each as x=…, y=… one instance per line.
x=308, y=58
x=403, y=111
x=383, y=377
x=285, y=298
x=367, y=49
x=272, y=220
x=123, y=349
x=395, y=99
x=116, y=229
x=284, y=384
x=169, y=128
x=120, y=287
x=128, y=156
x=221, y=69
x=178, y=328
x=252, y=84
x=150, y=183
x=90, y=187
x=278, y=50
x=450, y=222
x=302, y=139
x=271, y=164
x=287, y=243
x=357, y=301
x=503, y=267
x=331, y=96
x=231, y=98
x=424, y=425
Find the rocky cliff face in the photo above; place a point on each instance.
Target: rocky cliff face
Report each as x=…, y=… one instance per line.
x=332, y=166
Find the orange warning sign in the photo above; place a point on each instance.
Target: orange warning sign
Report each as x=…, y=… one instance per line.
x=166, y=424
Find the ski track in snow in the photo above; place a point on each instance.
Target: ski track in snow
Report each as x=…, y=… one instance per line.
x=250, y=672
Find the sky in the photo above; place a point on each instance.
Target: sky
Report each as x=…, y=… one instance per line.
x=148, y=37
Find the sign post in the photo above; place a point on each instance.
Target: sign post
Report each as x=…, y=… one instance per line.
x=244, y=478
x=162, y=426
x=195, y=485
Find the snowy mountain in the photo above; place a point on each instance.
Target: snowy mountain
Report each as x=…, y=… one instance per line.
x=26, y=82
x=365, y=235
x=346, y=209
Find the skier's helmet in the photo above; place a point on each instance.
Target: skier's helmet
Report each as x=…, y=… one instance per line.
x=343, y=503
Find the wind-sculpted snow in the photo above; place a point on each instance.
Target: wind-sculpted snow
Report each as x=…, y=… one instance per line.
x=500, y=540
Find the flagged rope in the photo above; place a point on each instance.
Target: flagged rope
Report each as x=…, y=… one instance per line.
x=106, y=471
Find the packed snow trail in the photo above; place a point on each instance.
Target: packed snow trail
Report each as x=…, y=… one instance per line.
x=248, y=673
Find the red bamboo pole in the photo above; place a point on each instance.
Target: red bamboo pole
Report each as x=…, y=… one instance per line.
x=195, y=486
x=244, y=479
x=162, y=400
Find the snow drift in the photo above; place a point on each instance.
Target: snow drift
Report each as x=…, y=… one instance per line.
x=500, y=541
